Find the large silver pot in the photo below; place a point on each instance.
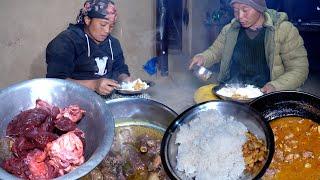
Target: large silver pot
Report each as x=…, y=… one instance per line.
x=129, y=113
x=97, y=124
x=148, y=112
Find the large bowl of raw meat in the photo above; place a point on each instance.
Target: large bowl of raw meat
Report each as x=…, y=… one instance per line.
x=66, y=132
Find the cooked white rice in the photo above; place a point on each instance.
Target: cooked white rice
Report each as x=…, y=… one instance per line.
x=248, y=91
x=129, y=86
x=210, y=147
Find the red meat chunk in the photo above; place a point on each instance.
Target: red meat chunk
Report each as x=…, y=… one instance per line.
x=38, y=151
x=53, y=110
x=26, y=121
x=22, y=146
x=15, y=166
x=65, y=124
x=40, y=138
x=38, y=167
x=66, y=152
x=73, y=112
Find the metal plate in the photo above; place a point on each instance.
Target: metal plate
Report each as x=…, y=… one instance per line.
x=128, y=92
x=220, y=86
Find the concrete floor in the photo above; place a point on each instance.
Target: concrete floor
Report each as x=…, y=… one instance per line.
x=177, y=90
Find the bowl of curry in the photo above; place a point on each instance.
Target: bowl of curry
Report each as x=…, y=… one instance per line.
x=295, y=121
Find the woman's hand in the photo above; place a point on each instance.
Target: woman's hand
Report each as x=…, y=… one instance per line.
x=105, y=86
x=198, y=59
x=268, y=88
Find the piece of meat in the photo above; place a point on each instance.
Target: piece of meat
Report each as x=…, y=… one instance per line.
x=73, y=112
x=133, y=161
x=111, y=165
x=65, y=124
x=38, y=151
x=279, y=155
x=53, y=110
x=22, y=146
x=38, y=167
x=95, y=174
x=155, y=164
x=307, y=154
x=26, y=121
x=16, y=166
x=81, y=135
x=40, y=138
x=153, y=146
x=48, y=124
x=153, y=176
x=66, y=152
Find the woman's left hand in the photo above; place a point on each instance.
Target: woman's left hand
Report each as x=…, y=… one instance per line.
x=268, y=88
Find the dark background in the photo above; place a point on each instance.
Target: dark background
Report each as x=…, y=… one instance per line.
x=305, y=14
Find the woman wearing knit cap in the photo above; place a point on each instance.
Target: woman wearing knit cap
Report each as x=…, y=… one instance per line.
x=259, y=47
x=86, y=52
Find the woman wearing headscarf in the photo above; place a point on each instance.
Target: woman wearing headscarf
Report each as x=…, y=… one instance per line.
x=87, y=53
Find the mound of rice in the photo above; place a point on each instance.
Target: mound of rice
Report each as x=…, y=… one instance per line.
x=248, y=91
x=210, y=147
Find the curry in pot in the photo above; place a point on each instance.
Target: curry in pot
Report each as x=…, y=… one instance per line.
x=135, y=155
x=297, y=149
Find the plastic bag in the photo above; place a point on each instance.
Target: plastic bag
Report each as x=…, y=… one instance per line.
x=151, y=66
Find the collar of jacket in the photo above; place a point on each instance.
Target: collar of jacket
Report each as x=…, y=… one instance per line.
x=269, y=23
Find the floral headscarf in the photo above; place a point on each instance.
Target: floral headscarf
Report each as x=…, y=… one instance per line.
x=104, y=9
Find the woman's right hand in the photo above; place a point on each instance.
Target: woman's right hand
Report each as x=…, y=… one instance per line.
x=198, y=59
x=105, y=86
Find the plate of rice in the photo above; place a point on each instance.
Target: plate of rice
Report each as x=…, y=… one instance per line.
x=237, y=92
x=137, y=86
x=217, y=140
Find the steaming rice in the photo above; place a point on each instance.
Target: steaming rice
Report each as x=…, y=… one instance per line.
x=136, y=85
x=210, y=147
x=248, y=91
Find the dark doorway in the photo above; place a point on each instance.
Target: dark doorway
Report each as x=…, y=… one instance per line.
x=174, y=24
x=305, y=15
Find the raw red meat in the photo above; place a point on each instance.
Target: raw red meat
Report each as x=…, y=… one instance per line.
x=40, y=138
x=38, y=167
x=80, y=134
x=38, y=151
x=22, y=146
x=48, y=124
x=65, y=124
x=66, y=152
x=26, y=121
x=73, y=112
x=53, y=110
x=16, y=166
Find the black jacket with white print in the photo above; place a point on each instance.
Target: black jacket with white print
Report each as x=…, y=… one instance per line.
x=73, y=54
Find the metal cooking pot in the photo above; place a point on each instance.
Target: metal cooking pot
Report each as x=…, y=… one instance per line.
x=288, y=103
x=153, y=113
x=97, y=124
x=242, y=113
